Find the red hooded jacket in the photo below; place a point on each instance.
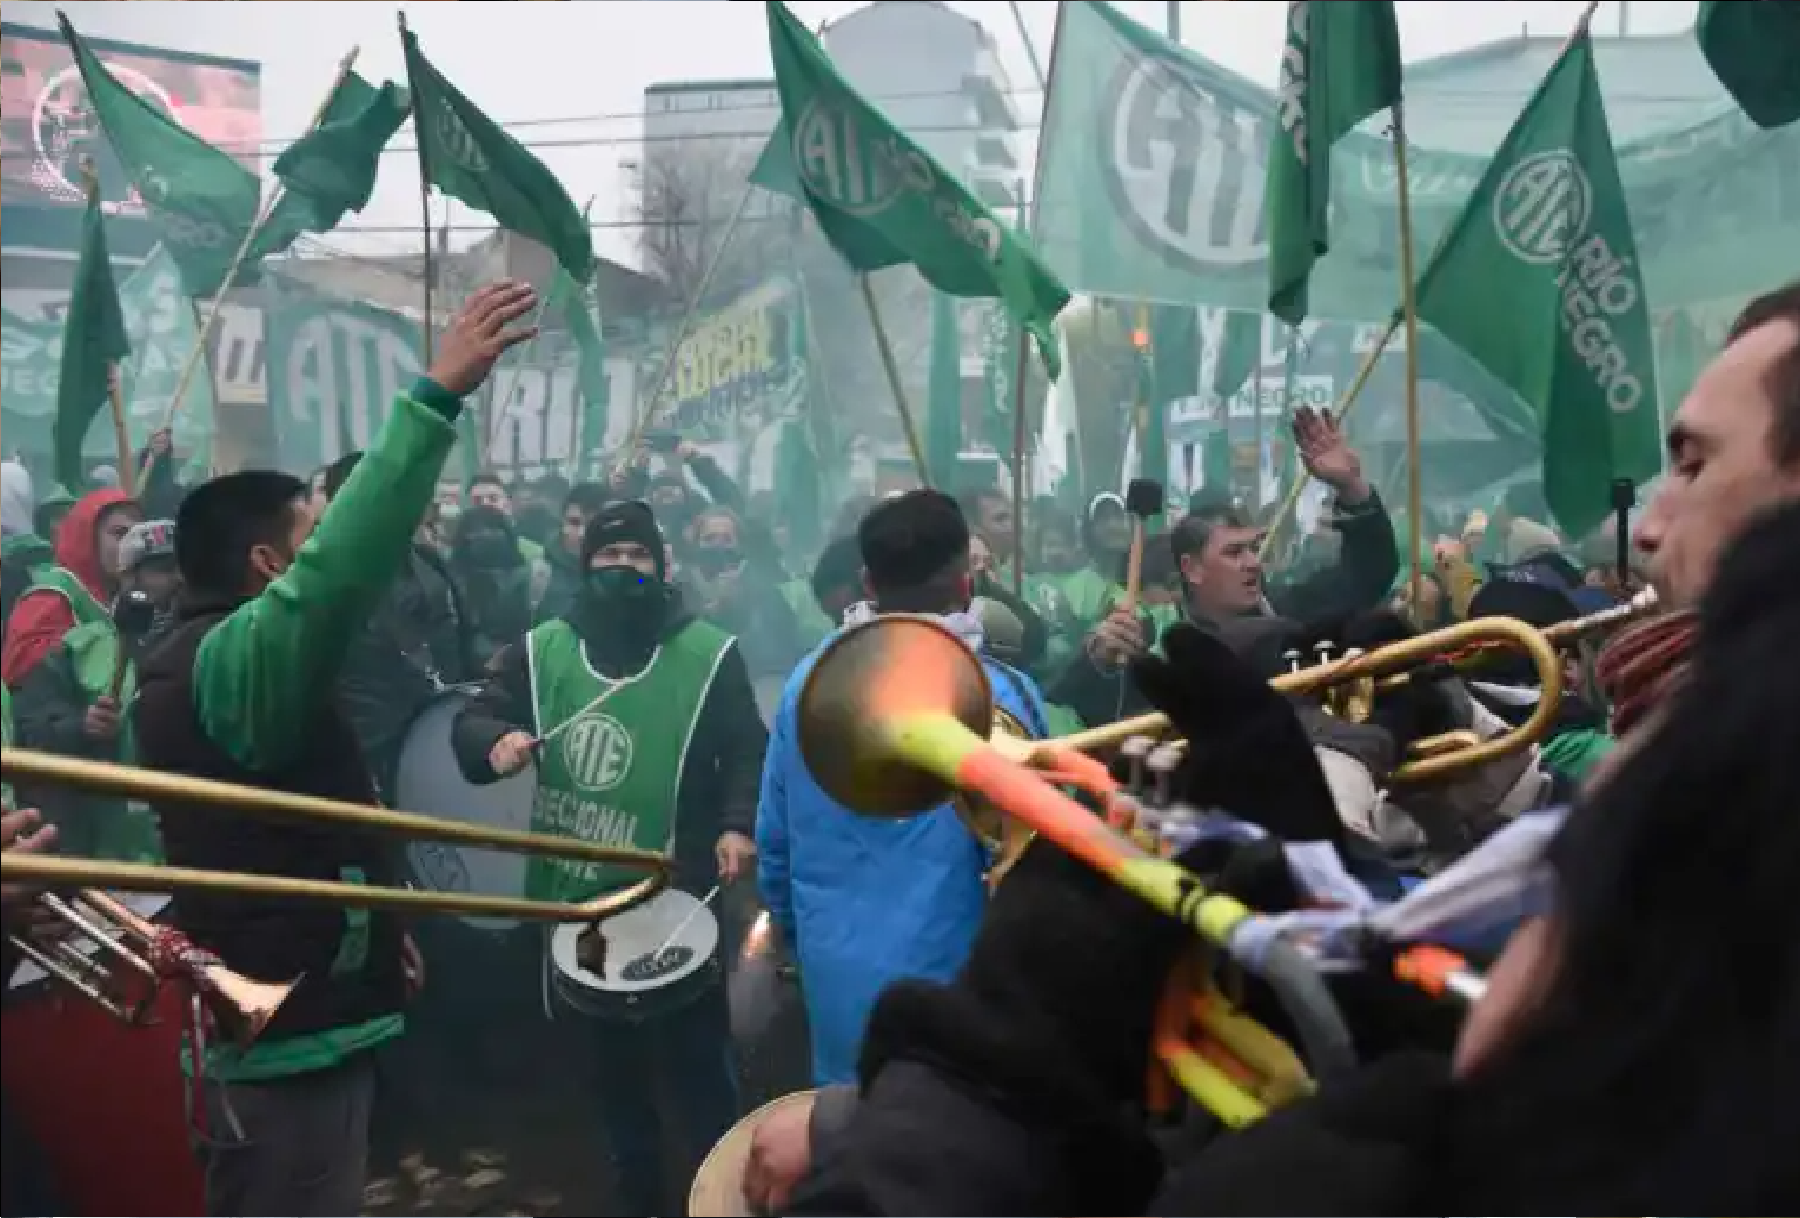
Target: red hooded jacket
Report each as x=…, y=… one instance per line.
x=41, y=618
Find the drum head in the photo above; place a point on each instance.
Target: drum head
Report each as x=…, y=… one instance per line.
x=632, y=939
x=145, y=905
x=428, y=781
x=718, y=1189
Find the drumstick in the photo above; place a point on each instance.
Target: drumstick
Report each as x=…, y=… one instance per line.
x=538, y=742
x=685, y=923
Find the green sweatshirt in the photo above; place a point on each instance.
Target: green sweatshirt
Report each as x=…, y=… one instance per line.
x=257, y=671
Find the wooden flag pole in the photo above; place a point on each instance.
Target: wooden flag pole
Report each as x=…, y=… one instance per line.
x=115, y=397
x=892, y=368
x=647, y=408
x=243, y=252
x=1021, y=365
x=1415, y=503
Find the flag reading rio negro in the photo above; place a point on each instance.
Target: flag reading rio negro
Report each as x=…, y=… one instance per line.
x=1544, y=214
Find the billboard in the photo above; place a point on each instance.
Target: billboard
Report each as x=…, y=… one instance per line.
x=46, y=125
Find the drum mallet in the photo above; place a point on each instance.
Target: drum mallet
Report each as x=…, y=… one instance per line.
x=1143, y=500
x=685, y=923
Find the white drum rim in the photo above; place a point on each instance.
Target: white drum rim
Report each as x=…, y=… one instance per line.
x=648, y=924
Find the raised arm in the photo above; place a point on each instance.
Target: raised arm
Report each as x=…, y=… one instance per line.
x=260, y=671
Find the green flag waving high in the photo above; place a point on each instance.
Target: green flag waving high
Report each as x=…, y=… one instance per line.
x=1539, y=280
x=332, y=168
x=1754, y=49
x=94, y=341
x=200, y=200
x=470, y=157
x=881, y=200
x=1341, y=64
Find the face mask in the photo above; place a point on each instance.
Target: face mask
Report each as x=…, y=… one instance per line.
x=623, y=586
x=715, y=560
x=491, y=551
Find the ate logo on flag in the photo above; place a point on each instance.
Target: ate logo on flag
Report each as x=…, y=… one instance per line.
x=843, y=166
x=454, y=137
x=1186, y=169
x=1543, y=207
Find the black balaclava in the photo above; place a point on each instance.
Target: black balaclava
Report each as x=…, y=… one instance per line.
x=620, y=610
x=484, y=540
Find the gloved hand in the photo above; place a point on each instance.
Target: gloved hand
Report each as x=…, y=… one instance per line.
x=1247, y=751
x=1415, y=711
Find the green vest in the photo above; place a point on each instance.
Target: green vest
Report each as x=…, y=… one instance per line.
x=128, y=832
x=82, y=603
x=613, y=774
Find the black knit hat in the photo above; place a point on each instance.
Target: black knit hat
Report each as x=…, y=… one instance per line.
x=621, y=521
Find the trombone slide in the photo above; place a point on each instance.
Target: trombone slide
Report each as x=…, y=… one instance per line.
x=152, y=785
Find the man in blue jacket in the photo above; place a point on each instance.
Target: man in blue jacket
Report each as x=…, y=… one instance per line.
x=863, y=902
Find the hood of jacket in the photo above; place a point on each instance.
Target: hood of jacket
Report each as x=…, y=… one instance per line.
x=78, y=541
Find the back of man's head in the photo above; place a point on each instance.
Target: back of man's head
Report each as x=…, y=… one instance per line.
x=915, y=553
x=223, y=519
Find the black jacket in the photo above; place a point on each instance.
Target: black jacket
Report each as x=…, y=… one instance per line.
x=419, y=633
x=265, y=938
x=1365, y=571
x=720, y=782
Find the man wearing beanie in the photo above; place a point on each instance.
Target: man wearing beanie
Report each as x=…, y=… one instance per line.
x=654, y=741
x=865, y=902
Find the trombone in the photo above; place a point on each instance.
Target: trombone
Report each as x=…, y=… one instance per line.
x=240, y=1007
x=51, y=871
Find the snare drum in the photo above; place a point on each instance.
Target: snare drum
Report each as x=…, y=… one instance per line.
x=428, y=780
x=105, y=1102
x=660, y=957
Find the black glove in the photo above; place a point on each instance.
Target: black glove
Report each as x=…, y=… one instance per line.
x=1050, y=1019
x=1361, y=1146
x=1247, y=751
x=1420, y=708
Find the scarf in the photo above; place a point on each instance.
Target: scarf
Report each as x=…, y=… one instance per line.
x=1644, y=664
x=965, y=626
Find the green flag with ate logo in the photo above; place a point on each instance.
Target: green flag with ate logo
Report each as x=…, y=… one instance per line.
x=881, y=200
x=470, y=157
x=200, y=200
x=1754, y=49
x=1341, y=64
x=1539, y=280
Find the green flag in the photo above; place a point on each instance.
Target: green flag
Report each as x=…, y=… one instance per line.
x=944, y=418
x=1000, y=364
x=1341, y=64
x=1238, y=353
x=94, y=342
x=1539, y=281
x=1754, y=49
x=568, y=298
x=200, y=200
x=470, y=157
x=881, y=200
x=332, y=168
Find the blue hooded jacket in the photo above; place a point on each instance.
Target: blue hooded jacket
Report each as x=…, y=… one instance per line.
x=861, y=901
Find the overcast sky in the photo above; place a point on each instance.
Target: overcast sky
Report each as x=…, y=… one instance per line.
x=573, y=73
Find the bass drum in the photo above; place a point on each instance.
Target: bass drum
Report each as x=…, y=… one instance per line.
x=429, y=781
x=105, y=1102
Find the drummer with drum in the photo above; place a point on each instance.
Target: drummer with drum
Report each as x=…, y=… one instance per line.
x=644, y=730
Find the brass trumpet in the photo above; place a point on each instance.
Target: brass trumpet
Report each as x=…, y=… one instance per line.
x=104, y=778
x=151, y=954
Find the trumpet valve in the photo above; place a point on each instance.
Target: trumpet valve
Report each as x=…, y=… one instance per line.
x=1292, y=658
x=1163, y=762
x=1135, y=753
